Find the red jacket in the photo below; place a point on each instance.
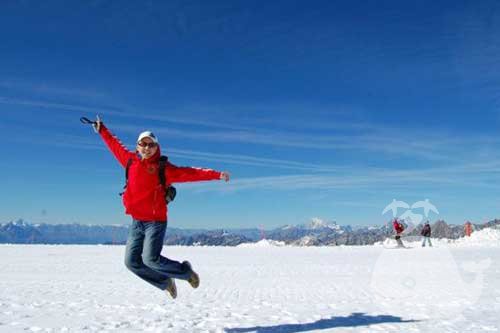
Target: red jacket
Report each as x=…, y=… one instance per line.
x=144, y=197
x=398, y=226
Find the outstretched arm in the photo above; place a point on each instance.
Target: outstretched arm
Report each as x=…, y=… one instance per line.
x=176, y=174
x=121, y=153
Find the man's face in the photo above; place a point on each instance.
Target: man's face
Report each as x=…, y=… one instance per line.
x=146, y=148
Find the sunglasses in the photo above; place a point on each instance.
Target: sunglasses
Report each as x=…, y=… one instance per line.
x=145, y=144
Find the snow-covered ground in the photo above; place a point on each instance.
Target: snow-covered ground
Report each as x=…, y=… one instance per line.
x=452, y=287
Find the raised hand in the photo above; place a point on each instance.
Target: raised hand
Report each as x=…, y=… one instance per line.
x=97, y=124
x=224, y=176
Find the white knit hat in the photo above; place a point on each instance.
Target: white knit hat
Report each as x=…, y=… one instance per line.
x=147, y=134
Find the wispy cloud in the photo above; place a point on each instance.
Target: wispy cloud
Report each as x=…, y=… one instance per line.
x=75, y=142
x=50, y=89
x=344, y=136
x=468, y=175
x=58, y=106
x=119, y=112
x=253, y=161
x=318, y=176
x=429, y=147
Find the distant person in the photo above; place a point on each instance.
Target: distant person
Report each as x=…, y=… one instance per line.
x=398, y=229
x=468, y=228
x=426, y=233
x=145, y=199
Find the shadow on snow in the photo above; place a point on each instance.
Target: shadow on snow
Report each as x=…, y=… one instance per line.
x=353, y=320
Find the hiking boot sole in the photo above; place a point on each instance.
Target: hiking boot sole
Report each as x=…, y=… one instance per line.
x=172, y=289
x=194, y=278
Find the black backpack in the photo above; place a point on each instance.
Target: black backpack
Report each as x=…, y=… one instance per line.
x=170, y=191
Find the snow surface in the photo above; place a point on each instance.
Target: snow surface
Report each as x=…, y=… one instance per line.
x=263, y=243
x=452, y=287
x=483, y=237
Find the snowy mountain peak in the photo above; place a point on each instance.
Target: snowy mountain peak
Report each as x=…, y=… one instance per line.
x=19, y=223
x=287, y=227
x=317, y=223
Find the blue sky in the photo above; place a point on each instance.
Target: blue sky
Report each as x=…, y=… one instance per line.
x=325, y=109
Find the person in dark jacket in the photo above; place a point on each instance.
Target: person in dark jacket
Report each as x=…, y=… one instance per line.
x=426, y=233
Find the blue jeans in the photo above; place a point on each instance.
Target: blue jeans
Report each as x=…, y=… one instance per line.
x=142, y=255
x=428, y=239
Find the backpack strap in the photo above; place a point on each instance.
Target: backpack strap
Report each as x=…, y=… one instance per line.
x=161, y=170
x=170, y=191
x=129, y=163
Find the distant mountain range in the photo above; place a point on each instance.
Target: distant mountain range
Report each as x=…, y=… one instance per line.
x=315, y=233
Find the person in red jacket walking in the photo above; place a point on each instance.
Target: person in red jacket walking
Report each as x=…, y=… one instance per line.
x=398, y=229
x=468, y=228
x=144, y=199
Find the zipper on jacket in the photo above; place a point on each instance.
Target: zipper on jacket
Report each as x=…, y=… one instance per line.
x=154, y=202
